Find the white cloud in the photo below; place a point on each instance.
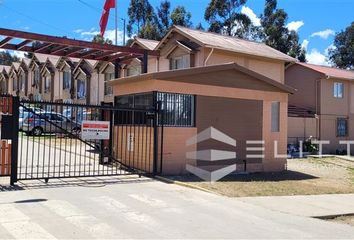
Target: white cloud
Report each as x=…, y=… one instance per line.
x=19, y=54
x=323, y=34
x=249, y=12
x=295, y=25
x=316, y=57
x=78, y=30
x=305, y=44
x=110, y=34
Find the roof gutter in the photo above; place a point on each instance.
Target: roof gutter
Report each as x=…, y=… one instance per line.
x=209, y=55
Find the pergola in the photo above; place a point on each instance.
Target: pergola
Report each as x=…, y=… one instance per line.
x=65, y=47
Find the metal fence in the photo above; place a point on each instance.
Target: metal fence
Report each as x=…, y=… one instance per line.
x=51, y=143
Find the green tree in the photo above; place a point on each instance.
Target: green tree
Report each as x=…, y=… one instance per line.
x=276, y=34
x=163, y=13
x=140, y=12
x=35, y=44
x=181, y=17
x=224, y=16
x=7, y=59
x=199, y=27
x=99, y=39
x=342, y=54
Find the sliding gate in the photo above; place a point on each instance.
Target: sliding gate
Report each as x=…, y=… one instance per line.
x=60, y=140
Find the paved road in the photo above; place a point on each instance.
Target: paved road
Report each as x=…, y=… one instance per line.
x=308, y=206
x=129, y=207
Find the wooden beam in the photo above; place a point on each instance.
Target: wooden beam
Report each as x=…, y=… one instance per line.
x=104, y=55
x=43, y=47
x=58, y=49
x=73, y=52
x=23, y=44
x=118, y=56
x=88, y=53
x=72, y=42
x=5, y=41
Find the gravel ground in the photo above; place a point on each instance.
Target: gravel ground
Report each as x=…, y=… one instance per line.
x=304, y=177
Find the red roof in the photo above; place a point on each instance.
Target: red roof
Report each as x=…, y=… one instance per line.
x=330, y=71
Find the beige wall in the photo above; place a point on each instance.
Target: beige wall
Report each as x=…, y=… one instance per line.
x=270, y=162
x=301, y=128
x=304, y=81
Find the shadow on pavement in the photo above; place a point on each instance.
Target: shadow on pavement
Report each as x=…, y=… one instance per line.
x=74, y=182
x=253, y=177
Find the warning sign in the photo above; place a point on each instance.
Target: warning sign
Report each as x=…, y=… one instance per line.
x=95, y=130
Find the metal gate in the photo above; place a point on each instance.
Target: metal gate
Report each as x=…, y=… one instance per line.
x=50, y=141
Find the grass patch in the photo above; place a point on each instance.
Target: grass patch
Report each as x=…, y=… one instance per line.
x=304, y=177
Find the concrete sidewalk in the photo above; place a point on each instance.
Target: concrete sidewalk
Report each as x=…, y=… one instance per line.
x=307, y=206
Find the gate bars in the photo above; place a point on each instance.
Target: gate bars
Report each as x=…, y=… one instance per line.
x=46, y=141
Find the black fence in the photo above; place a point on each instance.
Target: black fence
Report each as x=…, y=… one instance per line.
x=55, y=140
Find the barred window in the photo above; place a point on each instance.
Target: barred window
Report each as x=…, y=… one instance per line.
x=177, y=109
x=342, y=127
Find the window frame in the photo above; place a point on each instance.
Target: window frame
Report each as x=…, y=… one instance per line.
x=338, y=90
x=68, y=85
x=275, y=129
x=338, y=131
x=106, y=87
x=77, y=89
x=47, y=84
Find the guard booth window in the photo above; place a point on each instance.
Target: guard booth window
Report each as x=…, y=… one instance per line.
x=177, y=109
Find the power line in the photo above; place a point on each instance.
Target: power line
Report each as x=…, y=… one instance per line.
x=34, y=19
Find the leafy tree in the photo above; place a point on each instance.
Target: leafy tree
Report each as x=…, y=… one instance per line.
x=224, y=17
x=181, y=17
x=99, y=39
x=276, y=34
x=342, y=55
x=35, y=44
x=149, y=31
x=140, y=12
x=7, y=59
x=163, y=13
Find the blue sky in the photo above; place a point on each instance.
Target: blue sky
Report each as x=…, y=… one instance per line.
x=315, y=20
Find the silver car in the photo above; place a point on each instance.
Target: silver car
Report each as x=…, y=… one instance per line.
x=49, y=122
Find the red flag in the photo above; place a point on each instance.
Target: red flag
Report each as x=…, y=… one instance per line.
x=105, y=14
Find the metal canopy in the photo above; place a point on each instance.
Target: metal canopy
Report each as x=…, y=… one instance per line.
x=65, y=47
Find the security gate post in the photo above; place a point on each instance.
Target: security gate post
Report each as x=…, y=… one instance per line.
x=156, y=137
x=14, y=140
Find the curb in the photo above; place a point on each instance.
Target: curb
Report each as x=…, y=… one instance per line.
x=170, y=181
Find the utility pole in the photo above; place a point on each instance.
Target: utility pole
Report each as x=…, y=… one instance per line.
x=124, y=27
x=116, y=22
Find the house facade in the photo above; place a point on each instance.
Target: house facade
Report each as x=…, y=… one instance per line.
x=206, y=80
x=328, y=94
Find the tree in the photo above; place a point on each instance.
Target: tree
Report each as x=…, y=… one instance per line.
x=35, y=44
x=99, y=39
x=276, y=34
x=224, y=17
x=181, y=17
x=163, y=13
x=7, y=59
x=140, y=12
x=342, y=54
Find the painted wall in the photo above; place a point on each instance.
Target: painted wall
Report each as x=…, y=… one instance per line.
x=301, y=128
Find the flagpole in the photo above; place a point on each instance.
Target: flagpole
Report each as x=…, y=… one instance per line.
x=116, y=23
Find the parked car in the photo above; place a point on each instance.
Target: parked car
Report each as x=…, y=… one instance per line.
x=49, y=122
x=24, y=112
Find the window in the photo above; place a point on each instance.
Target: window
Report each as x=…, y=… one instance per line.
x=134, y=70
x=275, y=116
x=14, y=84
x=36, y=77
x=22, y=82
x=81, y=89
x=342, y=127
x=108, y=90
x=47, y=84
x=180, y=62
x=178, y=109
x=66, y=80
x=338, y=90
